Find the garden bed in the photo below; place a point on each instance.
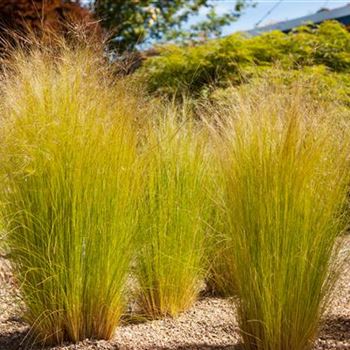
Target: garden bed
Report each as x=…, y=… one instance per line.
x=209, y=324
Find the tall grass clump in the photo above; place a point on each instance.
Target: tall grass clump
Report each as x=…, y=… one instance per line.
x=69, y=186
x=170, y=266
x=285, y=173
x=218, y=256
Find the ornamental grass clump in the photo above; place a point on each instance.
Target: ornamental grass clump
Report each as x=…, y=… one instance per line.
x=285, y=170
x=69, y=187
x=219, y=280
x=170, y=266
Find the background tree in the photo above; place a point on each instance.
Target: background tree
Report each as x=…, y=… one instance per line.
x=136, y=22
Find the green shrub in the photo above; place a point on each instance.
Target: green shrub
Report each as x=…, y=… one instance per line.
x=226, y=60
x=170, y=266
x=68, y=150
x=285, y=168
x=323, y=86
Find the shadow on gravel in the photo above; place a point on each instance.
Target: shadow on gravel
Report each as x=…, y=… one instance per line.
x=336, y=328
x=13, y=340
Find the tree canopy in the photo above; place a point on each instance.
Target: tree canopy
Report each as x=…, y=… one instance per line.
x=129, y=23
x=135, y=22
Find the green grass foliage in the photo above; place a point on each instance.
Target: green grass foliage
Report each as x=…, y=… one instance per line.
x=104, y=192
x=285, y=173
x=69, y=187
x=173, y=217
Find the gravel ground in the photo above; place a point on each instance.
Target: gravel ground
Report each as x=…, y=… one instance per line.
x=209, y=325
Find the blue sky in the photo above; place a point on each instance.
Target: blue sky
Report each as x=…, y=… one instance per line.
x=287, y=9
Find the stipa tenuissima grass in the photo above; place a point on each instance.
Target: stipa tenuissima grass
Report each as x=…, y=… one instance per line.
x=69, y=187
x=170, y=266
x=285, y=174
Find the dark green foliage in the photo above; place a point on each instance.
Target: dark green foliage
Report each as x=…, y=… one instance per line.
x=233, y=58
